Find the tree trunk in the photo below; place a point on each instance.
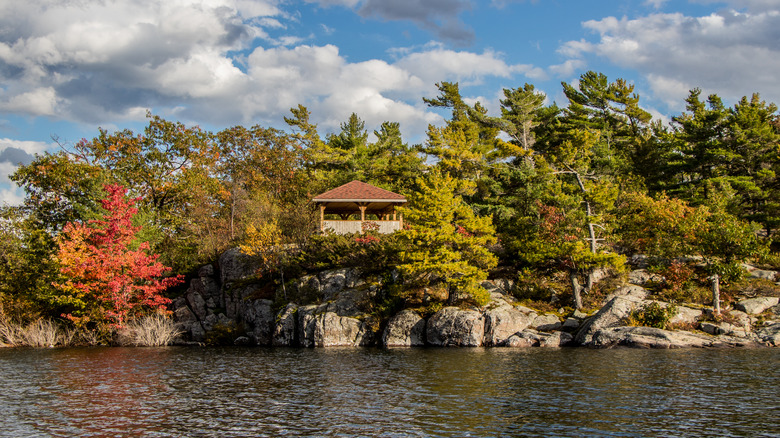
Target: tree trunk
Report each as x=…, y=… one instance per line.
x=716, y=294
x=575, y=289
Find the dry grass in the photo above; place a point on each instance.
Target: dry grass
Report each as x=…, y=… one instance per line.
x=150, y=331
x=40, y=334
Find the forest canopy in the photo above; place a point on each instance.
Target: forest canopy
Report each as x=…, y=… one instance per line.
x=538, y=191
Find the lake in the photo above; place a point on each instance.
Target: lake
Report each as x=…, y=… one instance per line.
x=238, y=392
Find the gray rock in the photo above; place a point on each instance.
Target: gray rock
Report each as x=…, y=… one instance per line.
x=452, y=326
x=685, y=315
x=556, y=339
x=724, y=328
x=599, y=274
x=580, y=315
x=306, y=325
x=197, y=332
x=504, y=321
x=284, y=334
x=242, y=341
x=611, y=315
x=642, y=276
x=649, y=337
x=546, y=322
x=259, y=320
x=770, y=334
x=196, y=302
x=206, y=271
x=571, y=324
x=234, y=266
x=533, y=338
x=754, y=306
x=405, y=329
x=333, y=282
x=332, y=330
x=741, y=319
x=767, y=275
x=631, y=291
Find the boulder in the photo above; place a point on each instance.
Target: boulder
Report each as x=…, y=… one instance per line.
x=641, y=277
x=754, y=306
x=571, y=324
x=631, y=292
x=504, y=321
x=649, y=337
x=611, y=315
x=259, y=320
x=284, y=333
x=405, y=329
x=452, y=326
x=685, y=315
x=196, y=301
x=546, y=322
x=235, y=265
x=533, y=338
x=765, y=274
x=332, y=330
x=770, y=334
x=724, y=328
x=306, y=324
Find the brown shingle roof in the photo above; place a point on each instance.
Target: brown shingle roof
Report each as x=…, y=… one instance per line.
x=358, y=191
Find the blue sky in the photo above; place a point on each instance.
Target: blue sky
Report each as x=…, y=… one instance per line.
x=67, y=68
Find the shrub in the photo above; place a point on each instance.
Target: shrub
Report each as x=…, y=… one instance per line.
x=652, y=315
x=150, y=331
x=41, y=333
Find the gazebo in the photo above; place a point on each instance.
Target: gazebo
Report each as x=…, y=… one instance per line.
x=363, y=200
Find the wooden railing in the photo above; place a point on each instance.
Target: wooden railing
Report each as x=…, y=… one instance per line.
x=346, y=227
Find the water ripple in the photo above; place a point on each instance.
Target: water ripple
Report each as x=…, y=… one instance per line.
x=236, y=392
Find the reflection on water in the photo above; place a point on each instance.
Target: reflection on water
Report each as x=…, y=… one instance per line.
x=369, y=392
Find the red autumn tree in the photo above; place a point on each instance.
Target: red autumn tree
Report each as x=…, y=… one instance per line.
x=105, y=278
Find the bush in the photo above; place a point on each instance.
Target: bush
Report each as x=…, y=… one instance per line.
x=40, y=334
x=652, y=315
x=150, y=331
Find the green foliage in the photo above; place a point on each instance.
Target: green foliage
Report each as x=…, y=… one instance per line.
x=652, y=315
x=444, y=241
x=224, y=334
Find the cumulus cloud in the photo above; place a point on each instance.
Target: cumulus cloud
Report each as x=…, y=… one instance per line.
x=88, y=60
x=213, y=62
x=728, y=52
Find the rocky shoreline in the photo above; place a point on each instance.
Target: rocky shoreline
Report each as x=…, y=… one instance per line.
x=223, y=300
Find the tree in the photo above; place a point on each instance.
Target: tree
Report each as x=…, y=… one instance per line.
x=444, y=241
x=104, y=279
x=668, y=228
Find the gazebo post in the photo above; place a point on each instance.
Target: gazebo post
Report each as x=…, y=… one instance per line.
x=322, y=217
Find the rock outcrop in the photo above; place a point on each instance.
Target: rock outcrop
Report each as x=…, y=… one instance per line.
x=405, y=329
x=754, y=306
x=611, y=315
x=649, y=337
x=223, y=301
x=455, y=327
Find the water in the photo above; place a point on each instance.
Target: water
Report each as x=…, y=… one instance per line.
x=226, y=392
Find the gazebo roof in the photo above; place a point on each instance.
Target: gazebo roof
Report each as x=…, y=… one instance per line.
x=358, y=191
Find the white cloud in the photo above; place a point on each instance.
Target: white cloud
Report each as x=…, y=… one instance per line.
x=435, y=64
x=103, y=62
x=729, y=53
x=30, y=147
x=38, y=102
x=567, y=68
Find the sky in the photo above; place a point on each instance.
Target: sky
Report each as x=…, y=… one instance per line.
x=68, y=67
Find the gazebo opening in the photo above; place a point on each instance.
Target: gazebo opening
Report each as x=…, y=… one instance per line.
x=357, y=203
